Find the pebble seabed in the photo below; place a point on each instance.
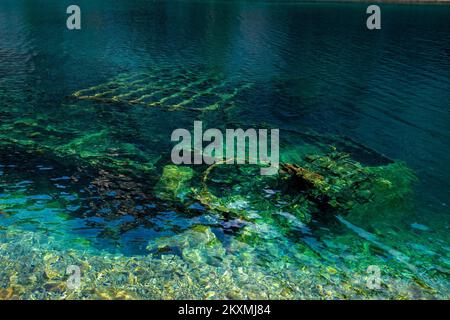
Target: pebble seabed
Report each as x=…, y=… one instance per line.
x=33, y=271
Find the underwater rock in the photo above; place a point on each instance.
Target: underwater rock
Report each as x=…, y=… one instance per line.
x=52, y=273
x=6, y=294
x=173, y=182
x=419, y=226
x=197, y=236
x=100, y=148
x=119, y=193
x=114, y=294
x=55, y=287
x=197, y=245
x=224, y=205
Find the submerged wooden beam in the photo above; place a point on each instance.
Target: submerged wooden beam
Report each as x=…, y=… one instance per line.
x=166, y=88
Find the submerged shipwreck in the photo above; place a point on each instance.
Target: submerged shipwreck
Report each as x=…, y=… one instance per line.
x=320, y=175
x=112, y=156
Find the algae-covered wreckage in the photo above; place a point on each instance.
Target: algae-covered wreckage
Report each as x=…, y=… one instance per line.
x=105, y=175
x=326, y=182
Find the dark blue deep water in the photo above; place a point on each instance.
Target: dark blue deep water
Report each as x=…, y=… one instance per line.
x=313, y=70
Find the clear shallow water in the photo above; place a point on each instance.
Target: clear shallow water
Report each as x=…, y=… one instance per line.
x=303, y=68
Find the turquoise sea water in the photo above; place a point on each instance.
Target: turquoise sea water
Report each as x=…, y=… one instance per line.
x=85, y=124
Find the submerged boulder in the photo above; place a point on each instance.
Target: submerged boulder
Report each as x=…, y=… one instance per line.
x=198, y=245
x=173, y=182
